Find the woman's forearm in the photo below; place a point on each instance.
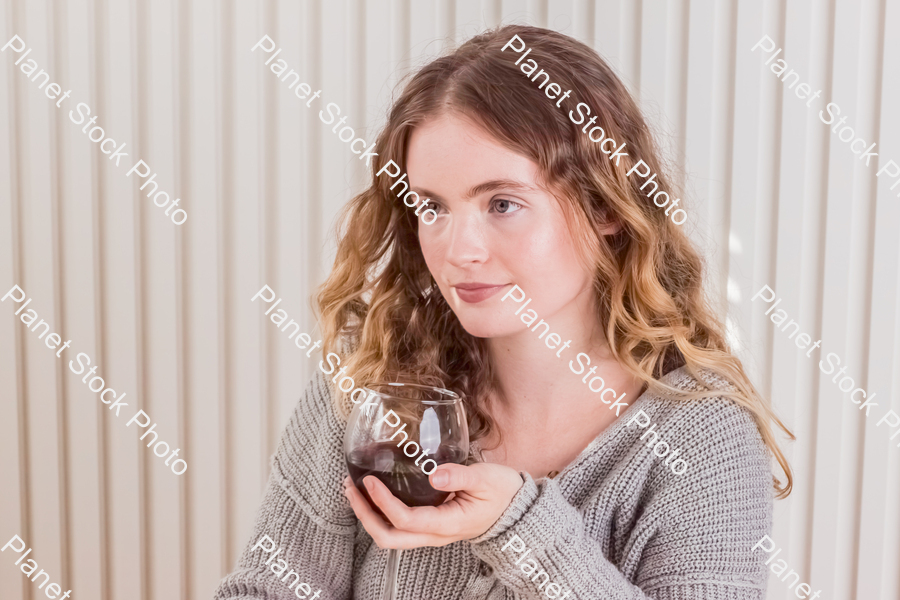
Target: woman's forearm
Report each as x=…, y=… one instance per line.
x=303, y=540
x=290, y=555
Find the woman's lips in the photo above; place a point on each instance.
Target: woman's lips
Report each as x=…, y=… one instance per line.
x=474, y=293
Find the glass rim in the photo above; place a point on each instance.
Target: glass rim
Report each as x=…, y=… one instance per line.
x=377, y=387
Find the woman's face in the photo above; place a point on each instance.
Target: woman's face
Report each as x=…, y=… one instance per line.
x=495, y=228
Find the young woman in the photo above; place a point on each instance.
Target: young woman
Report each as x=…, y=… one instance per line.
x=586, y=485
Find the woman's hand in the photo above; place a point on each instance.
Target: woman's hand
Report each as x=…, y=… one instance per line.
x=482, y=493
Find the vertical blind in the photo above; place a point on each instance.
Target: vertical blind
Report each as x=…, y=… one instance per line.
x=164, y=311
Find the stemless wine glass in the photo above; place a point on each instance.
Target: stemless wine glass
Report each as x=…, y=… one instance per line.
x=399, y=433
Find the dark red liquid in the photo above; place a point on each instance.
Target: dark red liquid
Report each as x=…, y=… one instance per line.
x=399, y=473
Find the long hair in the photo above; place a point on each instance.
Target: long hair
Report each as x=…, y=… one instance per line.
x=382, y=310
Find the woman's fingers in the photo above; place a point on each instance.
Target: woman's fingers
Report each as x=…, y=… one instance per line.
x=373, y=523
x=396, y=512
x=383, y=533
x=437, y=521
x=451, y=477
x=482, y=492
x=478, y=482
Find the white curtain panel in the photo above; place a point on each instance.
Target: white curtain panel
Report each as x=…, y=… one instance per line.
x=782, y=204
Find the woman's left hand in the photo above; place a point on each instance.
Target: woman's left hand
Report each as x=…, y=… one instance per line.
x=482, y=493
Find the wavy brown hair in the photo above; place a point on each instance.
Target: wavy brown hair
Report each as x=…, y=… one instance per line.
x=382, y=311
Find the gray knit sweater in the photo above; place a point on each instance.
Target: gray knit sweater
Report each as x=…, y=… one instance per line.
x=615, y=524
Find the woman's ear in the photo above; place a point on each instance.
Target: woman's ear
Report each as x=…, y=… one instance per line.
x=605, y=219
x=610, y=227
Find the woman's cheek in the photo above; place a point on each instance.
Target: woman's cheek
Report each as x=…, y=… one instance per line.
x=433, y=249
x=551, y=269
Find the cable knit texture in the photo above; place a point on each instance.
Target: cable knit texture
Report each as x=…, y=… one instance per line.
x=616, y=524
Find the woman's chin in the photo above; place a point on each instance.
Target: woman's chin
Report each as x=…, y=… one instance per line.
x=484, y=328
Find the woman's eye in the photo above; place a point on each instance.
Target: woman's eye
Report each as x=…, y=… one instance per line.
x=505, y=206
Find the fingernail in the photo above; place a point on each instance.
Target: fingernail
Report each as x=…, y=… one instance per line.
x=370, y=485
x=440, y=479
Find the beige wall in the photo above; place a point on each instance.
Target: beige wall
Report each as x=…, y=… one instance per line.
x=165, y=310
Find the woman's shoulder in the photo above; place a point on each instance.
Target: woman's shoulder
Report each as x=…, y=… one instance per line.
x=697, y=480
x=714, y=432
x=309, y=462
x=317, y=404
x=314, y=415
x=716, y=413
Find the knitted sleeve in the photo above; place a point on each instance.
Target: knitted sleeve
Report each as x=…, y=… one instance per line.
x=689, y=536
x=305, y=524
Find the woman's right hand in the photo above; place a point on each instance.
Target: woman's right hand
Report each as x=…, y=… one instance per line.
x=482, y=492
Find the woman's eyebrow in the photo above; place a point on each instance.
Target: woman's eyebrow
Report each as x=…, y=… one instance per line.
x=481, y=188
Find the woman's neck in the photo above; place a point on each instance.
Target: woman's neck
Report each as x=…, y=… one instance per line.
x=551, y=379
x=534, y=364
x=546, y=415
x=546, y=374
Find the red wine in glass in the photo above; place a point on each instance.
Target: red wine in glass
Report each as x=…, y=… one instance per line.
x=406, y=480
x=422, y=419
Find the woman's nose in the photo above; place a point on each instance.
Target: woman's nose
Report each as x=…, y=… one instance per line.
x=468, y=241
